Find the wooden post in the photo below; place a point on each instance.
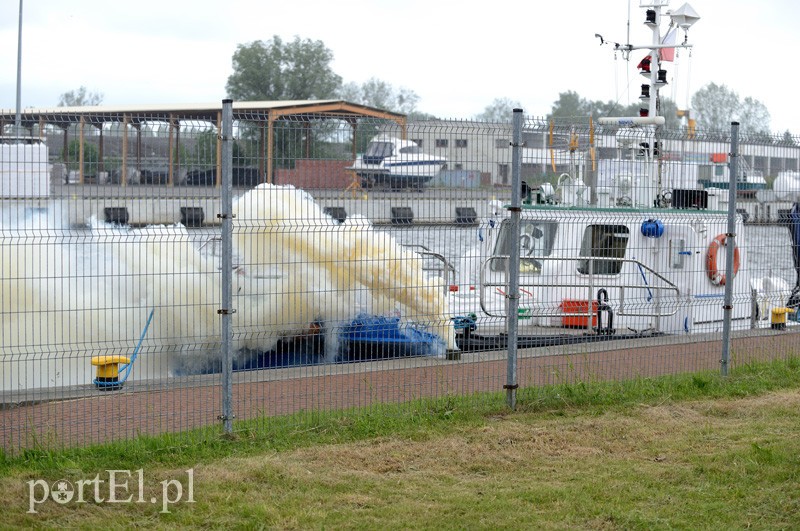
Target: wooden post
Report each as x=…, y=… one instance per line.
x=270, y=142
x=80, y=152
x=123, y=180
x=100, y=165
x=261, y=151
x=178, y=152
x=171, y=150
x=307, y=131
x=65, y=151
x=139, y=147
x=354, y=127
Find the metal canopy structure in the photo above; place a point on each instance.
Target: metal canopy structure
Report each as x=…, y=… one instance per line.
x=264, y=113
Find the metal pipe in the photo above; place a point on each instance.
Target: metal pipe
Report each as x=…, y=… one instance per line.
x=513, y=266
x=730, y=245
x=226, y=312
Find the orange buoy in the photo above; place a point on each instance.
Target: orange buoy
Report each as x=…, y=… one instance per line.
x=716, y=276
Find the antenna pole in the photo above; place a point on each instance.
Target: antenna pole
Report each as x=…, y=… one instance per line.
x=18, y=116
x=629, y=22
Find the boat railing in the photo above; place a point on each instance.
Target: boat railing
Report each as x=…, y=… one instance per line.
x=210, y=246
x=590, y=281
x=443, y=268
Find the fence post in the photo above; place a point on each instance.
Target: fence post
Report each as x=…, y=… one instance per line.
x=513, y=259
x=226, y=311
x=730, y=243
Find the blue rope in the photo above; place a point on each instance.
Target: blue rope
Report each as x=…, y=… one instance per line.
x=126, y=368
x=644, y=278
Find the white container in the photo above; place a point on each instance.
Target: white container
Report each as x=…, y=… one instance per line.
x=643, y=192
x=23, y=170
x=574, y=191
x=715, y=196
x=603, y=197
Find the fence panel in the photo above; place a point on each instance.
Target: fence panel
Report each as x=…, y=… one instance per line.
x=109, y=288
x=370, y=264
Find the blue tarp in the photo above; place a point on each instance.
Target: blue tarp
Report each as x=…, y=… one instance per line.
x=374, y=336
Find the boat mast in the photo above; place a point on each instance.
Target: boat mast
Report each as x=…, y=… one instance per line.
x=658, y=79
x=684, y=17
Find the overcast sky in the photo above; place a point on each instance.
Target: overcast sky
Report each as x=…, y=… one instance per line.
x=458, y=56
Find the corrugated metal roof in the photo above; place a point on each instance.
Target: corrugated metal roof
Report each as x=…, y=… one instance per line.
x=204, y=111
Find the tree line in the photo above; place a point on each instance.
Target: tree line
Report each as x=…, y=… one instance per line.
x=300, y=69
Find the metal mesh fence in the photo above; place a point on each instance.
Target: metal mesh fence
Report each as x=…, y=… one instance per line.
x=370, y=264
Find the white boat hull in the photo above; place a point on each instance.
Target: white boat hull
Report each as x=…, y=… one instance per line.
x=396, y=163
x=646, y=284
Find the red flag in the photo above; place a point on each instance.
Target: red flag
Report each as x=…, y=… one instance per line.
x=668, y=54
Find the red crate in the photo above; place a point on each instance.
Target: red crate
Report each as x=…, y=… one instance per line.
x=577, y=306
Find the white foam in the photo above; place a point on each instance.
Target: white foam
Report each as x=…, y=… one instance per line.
x=65, y=298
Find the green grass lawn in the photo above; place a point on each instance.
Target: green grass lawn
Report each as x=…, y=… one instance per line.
x=693, y=451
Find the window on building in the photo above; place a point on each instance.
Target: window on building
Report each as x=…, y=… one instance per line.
x=503, y=170
x=417, y=141
x=441, y=143
x=603, y=242
x=501, y=143
x=461, y=142
x=531, y=139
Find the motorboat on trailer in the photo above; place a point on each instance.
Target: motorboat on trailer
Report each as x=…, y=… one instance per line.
x=642, y=252
x=396, y=163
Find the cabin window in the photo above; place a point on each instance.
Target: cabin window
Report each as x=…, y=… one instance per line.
x=603, y=242
x=535, y=244
x=461, y=142
x=410, y=150
x=379, y=149
x=417, y=141
x=441, y=143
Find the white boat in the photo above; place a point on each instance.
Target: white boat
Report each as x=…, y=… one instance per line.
x=597, y=270
x=396, y=163
x=641, y=255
